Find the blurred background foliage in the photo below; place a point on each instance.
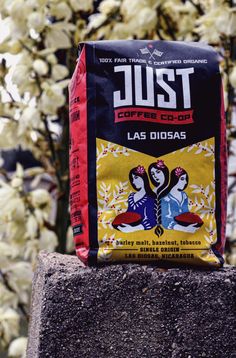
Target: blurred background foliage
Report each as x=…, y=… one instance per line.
x=38, y=51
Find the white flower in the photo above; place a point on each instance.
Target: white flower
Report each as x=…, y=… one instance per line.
x=20, y=74
x=144, y=22
x=40, y=67
x=7, y=250
x=108, y=7
x=232, y=259
x=140, y=15
x=37, y=3
x=130, y=9
x=61, y=11
x=233, y=236
x=34, y=172
x=9, y=324
x=40, y=198
x=6, y=109
x=186, y=26
x=153, y=4
x=231, y=24
x=17, y=183
x=57, y=38
x=14, y=209
x=36, y=21
x=8, y=131
x=46, y=52
x=31, y=250
x=232, y=77
x=19, y=10
x=120, y=31
x=18, y=28
x=147, y=19
x=19, y=171
x=213, y=24
x=11, y=205
x=29, y=119
x=69, y=240
x=48, y=240
x=17, y=348
x=82, y=5
x=221, y=19
x=32, y=227
x=63, y=84
x=4, y=262
x=52, y=98
x=52, y=59
x=59, y=72
x=5, y=28
x=12, y=46
x=20, y=279
x=7, y=298
x=17, y=206
x=36, y=180
x=41, y=216
x=96, y=20
x=16, y=232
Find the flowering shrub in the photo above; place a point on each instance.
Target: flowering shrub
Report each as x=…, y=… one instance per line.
x=38, y=45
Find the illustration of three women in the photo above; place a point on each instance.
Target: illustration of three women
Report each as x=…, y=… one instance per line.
x=158, y=207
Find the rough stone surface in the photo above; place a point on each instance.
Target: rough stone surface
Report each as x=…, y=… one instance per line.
x=130, y=311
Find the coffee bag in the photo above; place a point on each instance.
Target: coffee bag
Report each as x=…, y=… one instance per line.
x=148, y=153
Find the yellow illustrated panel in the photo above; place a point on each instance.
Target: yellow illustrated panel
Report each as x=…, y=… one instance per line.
x=156, y=209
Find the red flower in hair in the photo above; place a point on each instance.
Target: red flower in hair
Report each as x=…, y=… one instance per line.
x=140, y=170
x=179, y=171
x=160, y=164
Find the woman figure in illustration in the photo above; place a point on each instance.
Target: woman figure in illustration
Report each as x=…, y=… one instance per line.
x=142, y=201
x=175, y=202
x=159, y=176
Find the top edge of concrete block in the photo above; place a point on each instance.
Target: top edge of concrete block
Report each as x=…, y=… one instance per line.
x=69, y=263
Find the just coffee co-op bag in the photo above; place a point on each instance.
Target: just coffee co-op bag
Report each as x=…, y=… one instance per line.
x=147, y=153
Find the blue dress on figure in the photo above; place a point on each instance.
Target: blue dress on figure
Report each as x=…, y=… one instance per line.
x=171, y=207
x=146, y=208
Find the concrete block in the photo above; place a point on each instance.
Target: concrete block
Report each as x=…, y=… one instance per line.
x=130, y=311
